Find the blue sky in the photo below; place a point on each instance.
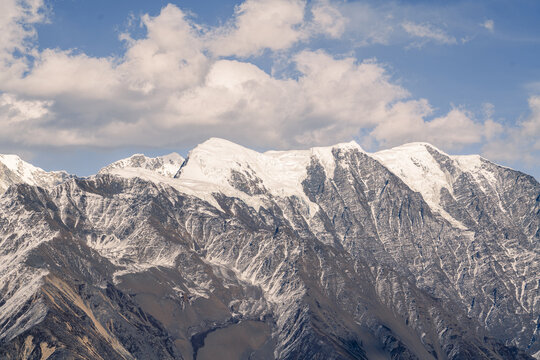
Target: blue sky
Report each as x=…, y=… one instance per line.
x=83, y=83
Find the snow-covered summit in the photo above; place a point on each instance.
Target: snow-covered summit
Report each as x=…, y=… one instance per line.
x=228, y=168
x=221, y=166
x=14, y=170
x=416, y=164
x=166, y=165
x=429, y=170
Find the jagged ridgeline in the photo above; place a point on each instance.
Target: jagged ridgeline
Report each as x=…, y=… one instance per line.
x=327, y=253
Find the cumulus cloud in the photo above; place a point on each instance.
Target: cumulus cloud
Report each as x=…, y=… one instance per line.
x=275, y=25
x=21, y=119
x=15, y=111
x=521, y=142
x=17, y=20
x=182, y=82
x=259, y=25
x=408, y=121
x=327, y=19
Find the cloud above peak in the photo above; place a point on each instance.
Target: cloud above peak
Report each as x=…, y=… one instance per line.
x=275, y=25
x=520, y=142
x=259, y=25
x=182, y=82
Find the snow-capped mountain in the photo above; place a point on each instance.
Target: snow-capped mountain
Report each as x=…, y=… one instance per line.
x=13, y=170
x=166, y=165
x=326, y=253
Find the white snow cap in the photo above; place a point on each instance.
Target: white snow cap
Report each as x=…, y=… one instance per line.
x=166, y=165
x=417, y=167
x=280, y=172
x=210, y=166
x=215, y=166
x=18, y=171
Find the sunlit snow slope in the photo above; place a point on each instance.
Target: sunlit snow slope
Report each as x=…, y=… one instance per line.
x=13, y=170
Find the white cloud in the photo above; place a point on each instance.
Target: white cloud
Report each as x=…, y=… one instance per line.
x=428, y=32
x=259, y=25
x=17, y=18
x=327, y=19
x=21, y=119
x=63, y=73
x=408, y=121
x=489, y=25
x=492, y=129
x=172, y=87
x=532, y=124
x=169, y=57
x=275, y=25
x=14, y=110
x=520, y=142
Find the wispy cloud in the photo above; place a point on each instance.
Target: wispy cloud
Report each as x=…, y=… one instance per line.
x=406, y=24
x=489, y=25
x=428, y=32
x=533, y=87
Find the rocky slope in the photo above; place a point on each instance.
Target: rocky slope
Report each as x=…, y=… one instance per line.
x=327, y=253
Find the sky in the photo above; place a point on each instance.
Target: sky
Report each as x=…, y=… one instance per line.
x=84, y=83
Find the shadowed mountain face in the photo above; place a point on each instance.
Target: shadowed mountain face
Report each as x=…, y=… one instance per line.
x=328, y=253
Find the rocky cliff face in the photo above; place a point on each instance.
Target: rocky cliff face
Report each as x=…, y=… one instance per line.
x=327, y=253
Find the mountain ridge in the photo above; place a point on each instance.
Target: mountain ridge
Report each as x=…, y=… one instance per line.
x=322, y=253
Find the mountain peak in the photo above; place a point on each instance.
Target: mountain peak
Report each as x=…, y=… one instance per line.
x=220, y=165
x=15, y=163
x=414, y=147
x=166, y=165
x=220, y=142
x=18, y=171
x=224, y=149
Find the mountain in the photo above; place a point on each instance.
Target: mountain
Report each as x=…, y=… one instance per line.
x=326, y=253
x=13, y=170
x=166, y=165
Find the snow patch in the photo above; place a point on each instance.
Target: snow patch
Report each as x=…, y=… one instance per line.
x=477, y=167
x=415, y=165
